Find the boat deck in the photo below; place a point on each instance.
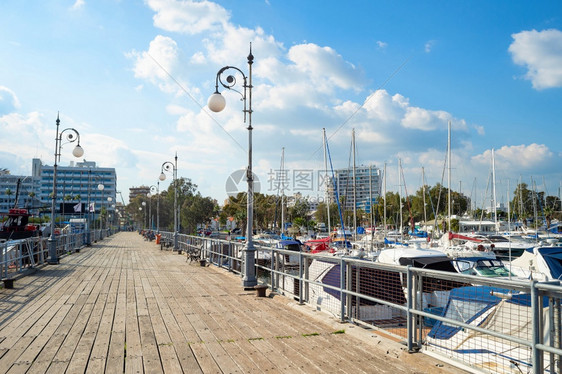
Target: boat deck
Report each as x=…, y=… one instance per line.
x=125, y=306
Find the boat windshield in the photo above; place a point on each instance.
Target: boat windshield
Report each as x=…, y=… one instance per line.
x=486, y=268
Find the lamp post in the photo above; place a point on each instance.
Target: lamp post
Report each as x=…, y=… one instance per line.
x=100, y=188
x=166, y=166
x=216, y=103
x=149, y=195
x=144, y=208
x=78, y=151
x=107, y=220
x=156, y=190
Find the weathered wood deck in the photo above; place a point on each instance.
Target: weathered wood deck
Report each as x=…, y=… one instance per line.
x=124, y=306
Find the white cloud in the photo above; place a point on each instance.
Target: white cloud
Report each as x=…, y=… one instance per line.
x=429, y=45
x=380, y=106
x=189, y=17
x=541, y=53
x=198, y=58
x=155, y=64
x=28, y=131
x=524, y=158
x=381, y=44
x=79, y=4
x=326, y=68
x=8, y=101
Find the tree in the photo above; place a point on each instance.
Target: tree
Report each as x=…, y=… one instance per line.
x=197, y=210
x=299, y=210
x=321, y=214
x=9, y=193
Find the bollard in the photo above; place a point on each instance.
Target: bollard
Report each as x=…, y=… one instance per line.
x=8, y=283
x=203, y=262
x=260, y=288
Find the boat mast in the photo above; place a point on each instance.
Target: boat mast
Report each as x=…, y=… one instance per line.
x=449, y=175
x=520, y=196
x=423, y=192
x=326, y=194
x=400, y=197
x=509, y=226
x=384, y=202
x=283, y=190
x=354, y=188
x=494, y=203
x=371, y=205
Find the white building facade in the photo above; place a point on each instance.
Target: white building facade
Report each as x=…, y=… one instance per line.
x=77, y=184
x=366, y=184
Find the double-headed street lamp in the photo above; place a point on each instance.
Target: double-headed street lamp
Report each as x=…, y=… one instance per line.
x=71, y=135
x=216, y=103
x=155, y=190
x=167, y=166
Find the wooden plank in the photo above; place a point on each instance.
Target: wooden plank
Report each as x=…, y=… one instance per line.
x=50, y=349
x=133, y=360
x=177, y=327
x=31, y=332
x=81, y=356
x=116, y=354
x=150, y=355
x=99, y=352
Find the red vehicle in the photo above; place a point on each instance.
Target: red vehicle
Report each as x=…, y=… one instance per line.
x=17, y=226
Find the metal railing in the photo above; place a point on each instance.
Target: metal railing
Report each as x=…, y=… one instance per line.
x=16, y=256
x=492, y=325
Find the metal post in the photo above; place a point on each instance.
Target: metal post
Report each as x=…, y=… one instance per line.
x=342, y=288
x=53, y=259
x=301, y=283
x=176, y=202
x=158, y=207
x=88, y=233
x=409, y=320
x=77, y=152
x=217, y=103
x=536, y=360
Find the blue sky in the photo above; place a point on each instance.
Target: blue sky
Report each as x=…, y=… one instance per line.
x=396, y=72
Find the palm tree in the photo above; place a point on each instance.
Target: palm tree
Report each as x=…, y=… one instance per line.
x=9, y=192
x=548, y=212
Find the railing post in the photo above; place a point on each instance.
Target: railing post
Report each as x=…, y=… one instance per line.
x=342, y=287
x=409, y=316
x=301, y=283
x=3, y=263
x=272, y=268
x=536, y=360
x=230, y=255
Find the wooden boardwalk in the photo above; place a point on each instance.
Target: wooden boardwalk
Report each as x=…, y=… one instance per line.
x=125, y=306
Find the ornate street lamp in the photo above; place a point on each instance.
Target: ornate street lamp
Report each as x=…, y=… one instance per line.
x=107, y=220
x=156, y=190
x=144, y=208
x=216, y=103
x=100, y=187
x=71, y=136
x=167, y=166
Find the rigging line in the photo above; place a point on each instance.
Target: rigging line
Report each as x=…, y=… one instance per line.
x=195, y=101
x=396, y=71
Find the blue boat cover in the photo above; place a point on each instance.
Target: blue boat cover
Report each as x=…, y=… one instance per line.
x=553, y=258
x=476, y=300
